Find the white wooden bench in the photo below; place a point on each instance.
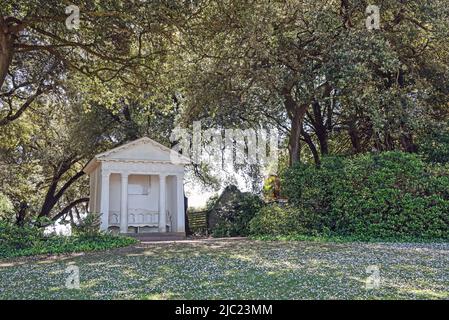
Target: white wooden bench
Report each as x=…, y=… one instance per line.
x=140, y=218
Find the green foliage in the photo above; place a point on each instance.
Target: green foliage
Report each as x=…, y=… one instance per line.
x=65, y=97
x=371, y=196
x=223, y=228
x=89, y=226
x=136, y=79
x=275, y=220
x=435, y=145
x=6, y=207
x=14, y=237
x=363, y=84
x=233, y=219
x=271, y=188
x=211, y=202
x=29, y=240
x=339, y=239
x=54, y=116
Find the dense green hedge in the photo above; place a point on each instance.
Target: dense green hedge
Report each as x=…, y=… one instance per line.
x=29, y=240
x=277, y=220
x=233, y=219
x=392, y=195
x=434, y=146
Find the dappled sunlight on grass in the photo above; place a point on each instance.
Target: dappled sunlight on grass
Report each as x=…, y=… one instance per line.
x=237, y=270
x=90, y=284
x=136, y=254
x=100, y=264
x=429, y=294
x=10, y=264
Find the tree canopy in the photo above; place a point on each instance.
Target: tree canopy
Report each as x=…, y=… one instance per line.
x=310, y=69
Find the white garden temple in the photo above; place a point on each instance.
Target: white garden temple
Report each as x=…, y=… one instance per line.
x=138, y=188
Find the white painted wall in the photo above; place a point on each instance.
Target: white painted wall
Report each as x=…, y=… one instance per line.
x=92, y=184
x=95, y=190
x=143, y=151
x=138, y=161
x=171, y=200
x=98, y=190
x=136, y=202
x=114, y=198
x=148, y=202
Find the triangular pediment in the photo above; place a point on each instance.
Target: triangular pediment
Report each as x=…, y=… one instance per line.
x=143, y=149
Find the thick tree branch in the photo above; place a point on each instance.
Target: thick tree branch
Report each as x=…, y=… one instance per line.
x=13, y=116
x=68, y=208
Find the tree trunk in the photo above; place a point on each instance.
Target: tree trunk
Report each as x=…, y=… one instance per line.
x=312, y=147
x=294, y=142
x=407, y=143
x=355, y=139
x=320, y=128
x=186, y=216
x=6, y=49
x=53, y=196
x=21, y=215
x=296, y=114
x=49, y=201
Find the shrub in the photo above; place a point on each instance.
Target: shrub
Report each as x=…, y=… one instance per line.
x=62, y=244
x=89, y=226
x=13, y=237
x=434, y=145
x=30, y=240
x=232, y=212
x=370, y=196
x=223, y=228
x=236, y=221
x=275, y=220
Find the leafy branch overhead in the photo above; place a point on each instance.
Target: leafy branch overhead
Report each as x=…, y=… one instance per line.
x=309, y=69
x=123, y=41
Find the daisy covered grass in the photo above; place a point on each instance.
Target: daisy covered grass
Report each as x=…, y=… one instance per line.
x=243, y=269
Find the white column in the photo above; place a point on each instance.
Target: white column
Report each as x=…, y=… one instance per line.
x=91, y=193
x=94, y=192
x=104, y=210
x=124, y=204
x=180, y=216
x=162, y=210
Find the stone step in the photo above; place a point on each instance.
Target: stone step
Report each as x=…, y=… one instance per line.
x=157, y=236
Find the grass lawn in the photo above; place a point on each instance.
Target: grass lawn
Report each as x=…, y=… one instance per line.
x=239, y=269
